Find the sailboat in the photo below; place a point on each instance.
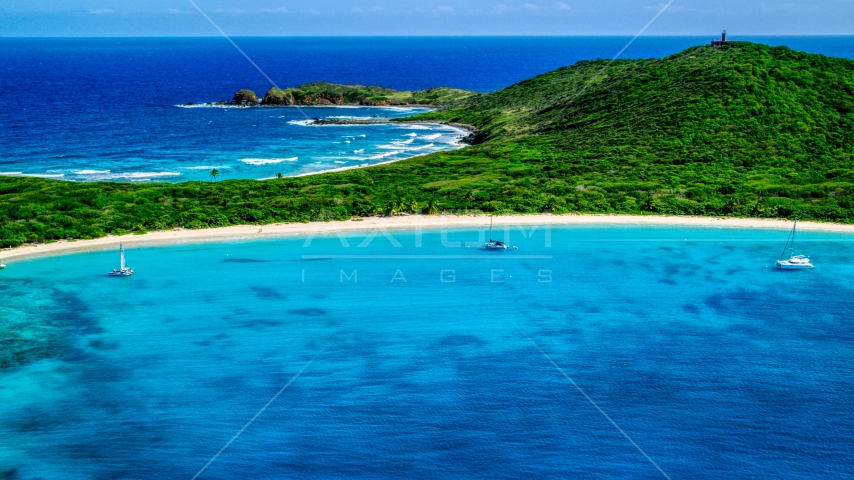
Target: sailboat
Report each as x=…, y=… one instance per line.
x=493, y=244
x=123, y=270
x=795, y=262
x=2, y=266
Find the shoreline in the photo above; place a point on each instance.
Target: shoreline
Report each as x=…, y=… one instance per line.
x=405, y=222
x=336, y=169
x=460, y=143
x=227, y=105
x=463, y=132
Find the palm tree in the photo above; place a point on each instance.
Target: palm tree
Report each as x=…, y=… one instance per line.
x=432, y=207
x=279, y=175
x=413, y=206
x=391, y=208
x=214, y=174
x=550, y=205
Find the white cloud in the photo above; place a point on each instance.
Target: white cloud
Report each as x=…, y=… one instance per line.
x=101, y=11
x=275, y=10
x=531, y=7
x=441, y=9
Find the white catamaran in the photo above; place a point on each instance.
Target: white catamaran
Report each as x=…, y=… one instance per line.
x=493, y=244
x=123, y=270
x=795, y=262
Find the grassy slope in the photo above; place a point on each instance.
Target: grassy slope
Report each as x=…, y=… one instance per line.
x=325, y=93
x=744, y=130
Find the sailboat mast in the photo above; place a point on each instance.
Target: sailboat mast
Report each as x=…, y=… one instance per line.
x=792, y=249
x=490, y=228
x=122, y=253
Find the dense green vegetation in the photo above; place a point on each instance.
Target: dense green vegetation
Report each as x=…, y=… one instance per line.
x=323, y=93
x=744, y=130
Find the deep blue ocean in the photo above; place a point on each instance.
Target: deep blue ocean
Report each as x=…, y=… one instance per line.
x=105, y=109
x=427, y=364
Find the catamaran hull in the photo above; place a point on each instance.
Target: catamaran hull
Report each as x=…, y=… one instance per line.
x=121, y=273
x=793, y=267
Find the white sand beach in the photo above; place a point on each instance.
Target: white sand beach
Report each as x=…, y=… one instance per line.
x=403, y=222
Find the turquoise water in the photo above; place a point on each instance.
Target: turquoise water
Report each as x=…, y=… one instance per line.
x=715, y=364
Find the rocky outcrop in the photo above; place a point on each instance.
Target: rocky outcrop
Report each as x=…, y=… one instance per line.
x=324, y=93
x=277, y=97
x=352, y=121
x=245, y=98
x=296, y=97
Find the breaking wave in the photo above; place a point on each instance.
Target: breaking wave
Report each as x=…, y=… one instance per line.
x=384, y=155
x=422, y=147
x=267, y=161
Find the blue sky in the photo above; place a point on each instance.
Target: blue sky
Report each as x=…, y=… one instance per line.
x=414, y=17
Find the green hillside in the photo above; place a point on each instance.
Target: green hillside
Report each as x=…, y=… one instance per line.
x=742, y=130
x=744, y=119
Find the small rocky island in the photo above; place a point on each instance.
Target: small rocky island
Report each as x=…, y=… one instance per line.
x=324, y=93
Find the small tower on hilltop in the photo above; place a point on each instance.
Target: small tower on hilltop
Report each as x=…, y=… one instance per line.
x=722, y=41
